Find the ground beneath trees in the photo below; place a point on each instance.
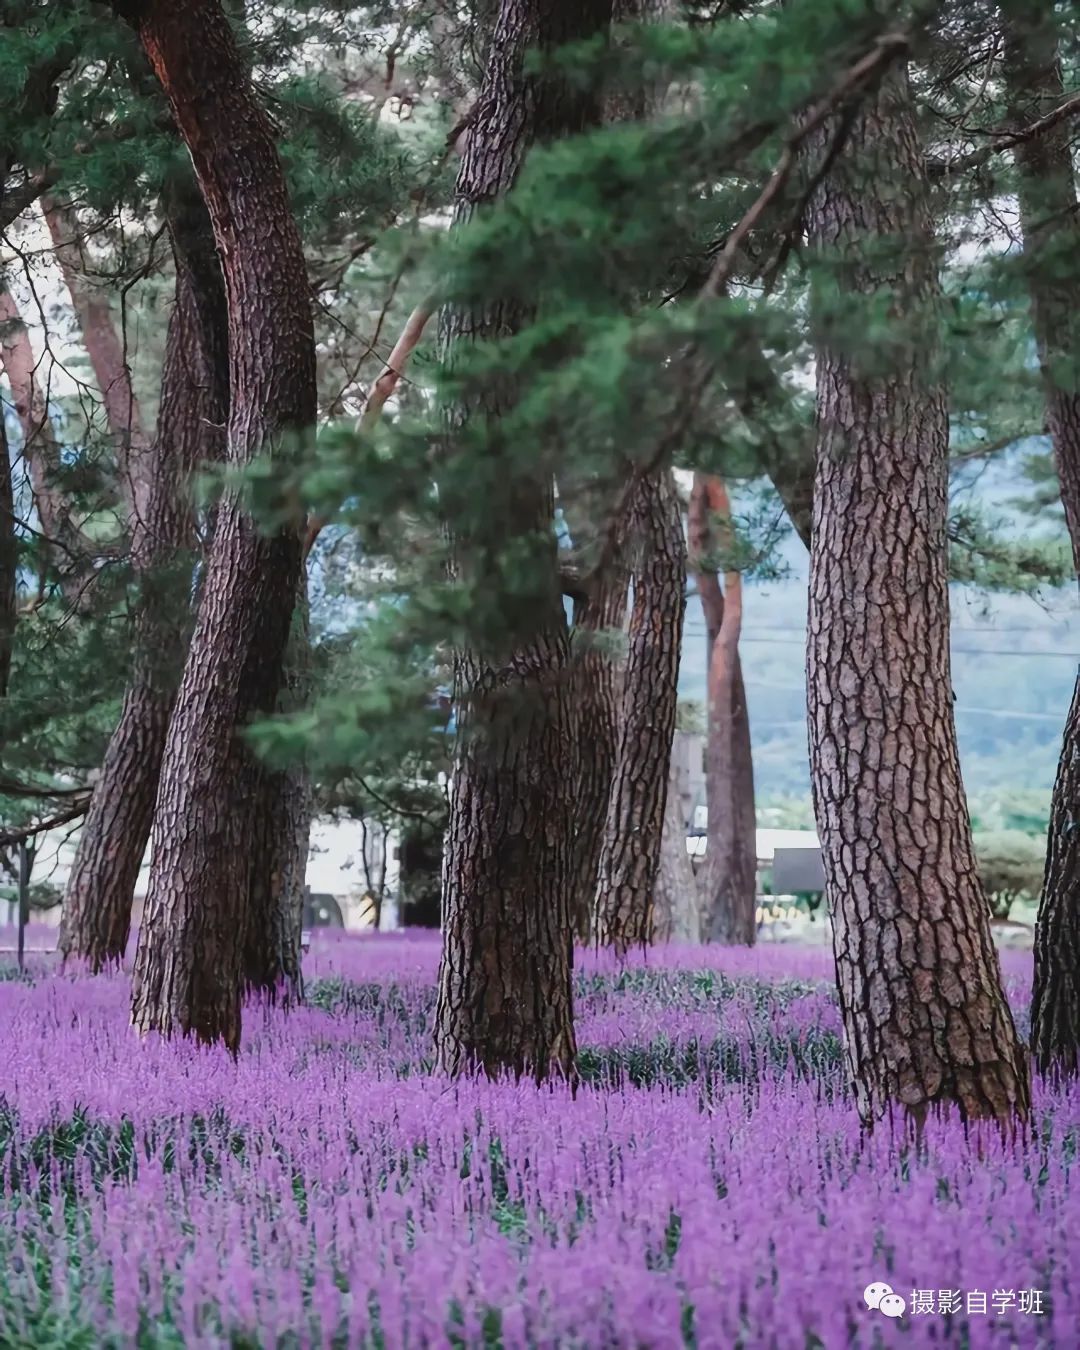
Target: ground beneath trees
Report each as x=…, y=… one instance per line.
x=708, y=1186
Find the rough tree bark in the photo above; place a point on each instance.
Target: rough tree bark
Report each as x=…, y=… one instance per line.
x=729, y=877
x=194, y=399
x=596, y=688
x=925, y=1015
x=602, y=592
x=284, y=808
x=189, y=963
x=633, y=830
x=505, y=1000
x=1048, y=216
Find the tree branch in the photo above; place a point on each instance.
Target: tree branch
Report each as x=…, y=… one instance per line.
x=1005, y=140
x=8, y=837
x=386, y=382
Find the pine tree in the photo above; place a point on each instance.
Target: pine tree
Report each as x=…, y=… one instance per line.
x=1048, y=217
x=504, y=986
x=925, y=1015
x=193, y=404
x=188, y=968
x=729, y=882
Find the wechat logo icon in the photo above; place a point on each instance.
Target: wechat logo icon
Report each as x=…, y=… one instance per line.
x=880, y=1295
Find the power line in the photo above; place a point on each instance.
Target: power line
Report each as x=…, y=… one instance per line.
x=962, y=651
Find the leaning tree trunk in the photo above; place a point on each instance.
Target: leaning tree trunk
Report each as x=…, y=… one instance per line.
x=729, y=875
x=505, y=981
x=925, y=1015
x=634, y=827
x=189, y=963
x=1048, y=216
x=107, y=353
x=65, y=551
x=194, y=398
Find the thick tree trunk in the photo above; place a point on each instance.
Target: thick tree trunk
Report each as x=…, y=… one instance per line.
x=677, y=906
x=504, y=986
x=729, y=876
x=189, y=963
x=65, y=550
x=596, y=687
x=1048, y=216
x=926, y=1019
x=193, y=404
x=634, y=828
x=108, y=357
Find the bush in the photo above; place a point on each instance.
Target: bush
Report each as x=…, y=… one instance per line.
x=1011, y=867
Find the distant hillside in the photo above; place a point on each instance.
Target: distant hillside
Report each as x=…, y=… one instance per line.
x=1014, y=665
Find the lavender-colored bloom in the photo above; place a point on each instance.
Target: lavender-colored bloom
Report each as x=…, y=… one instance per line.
x=708, y=1185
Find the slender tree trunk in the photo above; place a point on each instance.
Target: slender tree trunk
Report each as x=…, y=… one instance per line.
x=630, y=856
x=64, y=548
x=282, y=842
x=677, y=907
x=189, y=963
x=1048, y=216
x=596, y=677
x=729, y=876
x=194, y=398
x=600, y=608
x=9, y=563
x=504, y=987
x=108, y=356
x=920, y=989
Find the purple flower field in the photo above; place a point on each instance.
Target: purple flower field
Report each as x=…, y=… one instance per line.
x=707, y=1186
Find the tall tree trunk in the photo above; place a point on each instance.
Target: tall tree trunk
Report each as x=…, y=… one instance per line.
x=64, y=549
x=285, y=804
x=1048, y=216
x=9, y=562
x=194, y=399
x=729, y=876
x=925, y=1015
x=596, y=687
x=677, y=905
x=505, y=982
x=600, y=607
x=634, y=828
x=108, y=356
x=189, y=964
